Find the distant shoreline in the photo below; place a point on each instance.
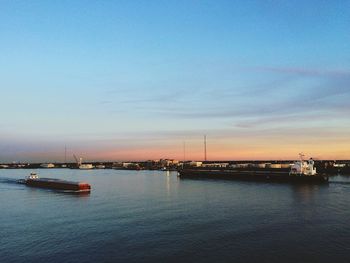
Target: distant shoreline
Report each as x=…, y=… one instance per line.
x=324, y=166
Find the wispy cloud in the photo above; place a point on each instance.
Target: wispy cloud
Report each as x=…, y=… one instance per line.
x=260, y=100
x=305, y=71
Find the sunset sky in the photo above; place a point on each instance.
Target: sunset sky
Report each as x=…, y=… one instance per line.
x=136, y=80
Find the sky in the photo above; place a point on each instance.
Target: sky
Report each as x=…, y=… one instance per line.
x=139, y=80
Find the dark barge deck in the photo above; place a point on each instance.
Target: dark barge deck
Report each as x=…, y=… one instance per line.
x=251, y=175
x=57, y=184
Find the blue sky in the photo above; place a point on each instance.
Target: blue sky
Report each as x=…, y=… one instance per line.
x=122, y=80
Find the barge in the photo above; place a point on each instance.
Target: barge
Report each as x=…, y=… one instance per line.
x=300, y=172
x=57, y=184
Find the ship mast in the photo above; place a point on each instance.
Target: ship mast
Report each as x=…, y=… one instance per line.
x=205, y=148
x=65, y=154
x=184, y=151
x=301, y=156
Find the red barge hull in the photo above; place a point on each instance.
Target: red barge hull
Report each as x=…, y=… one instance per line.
x=58, y=184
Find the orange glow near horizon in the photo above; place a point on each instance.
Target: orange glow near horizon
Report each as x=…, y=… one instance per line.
x=239, y=146
x=218, y=152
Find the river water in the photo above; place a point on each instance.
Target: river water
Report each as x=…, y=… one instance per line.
x=153, y=216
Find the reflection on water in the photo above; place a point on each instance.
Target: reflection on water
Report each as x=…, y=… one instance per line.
x=305, y=192
x=153, y=216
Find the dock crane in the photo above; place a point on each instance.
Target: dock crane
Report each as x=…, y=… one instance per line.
x=80, y=164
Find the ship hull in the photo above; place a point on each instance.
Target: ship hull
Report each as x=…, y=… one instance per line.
x=264, y=176
x=57, y=184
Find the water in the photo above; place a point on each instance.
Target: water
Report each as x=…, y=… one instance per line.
x=151, y=216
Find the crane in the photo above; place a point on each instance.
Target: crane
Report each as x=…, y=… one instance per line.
x=79, y=161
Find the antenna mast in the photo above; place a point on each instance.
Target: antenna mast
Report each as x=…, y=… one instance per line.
x=205, y=147
x=184, y=149
x=65, y=154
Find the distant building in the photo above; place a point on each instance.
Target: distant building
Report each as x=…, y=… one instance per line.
x=47, y=165
x=127, y=165
x=240, y=165
x=217, y=165
x=168, y=162
x=131, y=165
x=195, y=164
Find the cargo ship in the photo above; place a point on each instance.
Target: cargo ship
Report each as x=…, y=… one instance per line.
x=57, y=184
x=300, y=172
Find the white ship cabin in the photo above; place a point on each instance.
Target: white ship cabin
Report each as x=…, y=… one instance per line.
x=303, y=167
x=32, y=176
